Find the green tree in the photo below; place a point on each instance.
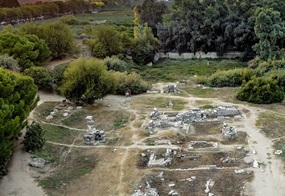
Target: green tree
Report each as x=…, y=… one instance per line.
x=34, y=138
x=17, y=97
x=150, y=12
x=130, y=82
x=116, y=64
x=29, y=50
x=268, y=28
x=145, y=45
x=87, y=80
x=261, y=91
x=108, y=42
x=57, y=35
x=43, y=77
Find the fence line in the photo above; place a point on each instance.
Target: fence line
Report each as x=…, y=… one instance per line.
x=200, y=55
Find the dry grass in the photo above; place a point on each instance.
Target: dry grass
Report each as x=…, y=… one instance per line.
x=272, y=124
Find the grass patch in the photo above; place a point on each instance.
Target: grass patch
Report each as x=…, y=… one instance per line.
x=225, y=94
x=272, y=124
x=76, y=119
x=170, y=70
x=75, y=166
x=120, y=122
x=58, y=134
x=113, y=17
x=207, y=107
x=43, y=110
x=280, y=145
x=162, y=102
x=49, y=153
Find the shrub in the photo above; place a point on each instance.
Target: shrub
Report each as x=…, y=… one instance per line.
x=279, y=76
x=34, y=138
x=116, y=64
x=58, y=72
x=230, y=78
x=261, y=90
x=43, y=77
x=70, y=20
x=267, y=66
x=130, y=82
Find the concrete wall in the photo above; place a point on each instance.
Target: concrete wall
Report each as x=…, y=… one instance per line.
x=200, y=55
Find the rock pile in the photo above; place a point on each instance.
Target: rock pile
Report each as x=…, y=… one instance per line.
x=94, y=136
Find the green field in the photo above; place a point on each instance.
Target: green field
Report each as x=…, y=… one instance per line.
x=170, y=70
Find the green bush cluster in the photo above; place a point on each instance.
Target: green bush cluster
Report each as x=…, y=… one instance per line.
x=262, y=81
x=42, y=76
x=130, y=82
x=116, y=64
x=261, y=90
x=230, y=78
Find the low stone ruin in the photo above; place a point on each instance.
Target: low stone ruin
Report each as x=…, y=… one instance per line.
x=147, y=191
x=184, y=119
x=37, y=162
x=229, y=132
x=154, y=114
x=166, y=160
x=94, y=136
x=203, y=145
x=171, y=89
x=64, y=111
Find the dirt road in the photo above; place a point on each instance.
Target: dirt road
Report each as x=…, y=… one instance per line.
x=19, y=181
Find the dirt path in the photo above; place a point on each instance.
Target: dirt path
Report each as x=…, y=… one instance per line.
x=19, y=181
x=53, y=63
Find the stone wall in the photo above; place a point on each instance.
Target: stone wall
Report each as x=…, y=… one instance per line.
x=200, y=55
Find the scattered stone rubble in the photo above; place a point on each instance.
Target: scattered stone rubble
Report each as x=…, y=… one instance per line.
x=147, y=191
x=37, y=162
x=185, y=118
x=209, y=146
x=66, y=111
x=166, y=160
x=229, y=132
x=94, y=136
x=210, y=183
x=171, y=89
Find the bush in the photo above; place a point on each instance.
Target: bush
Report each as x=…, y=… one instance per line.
x=58, y=72
x=34, y=138
x=116, y=64
x=130, y=82
x=279, y=76
x=267, y=66
x=261, y=90
x=70, y=20
x=230, y=78
x=43, y=77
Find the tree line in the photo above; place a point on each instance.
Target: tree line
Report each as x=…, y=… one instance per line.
x=48, y=9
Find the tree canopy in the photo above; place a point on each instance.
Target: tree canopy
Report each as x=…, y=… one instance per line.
x=28, y=50
x=17, y=96
x=57, y=35
x=87, y=80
